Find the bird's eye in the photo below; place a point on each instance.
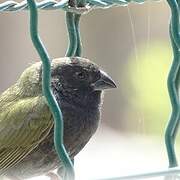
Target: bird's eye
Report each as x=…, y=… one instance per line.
x=59, y=84
x=80, y=75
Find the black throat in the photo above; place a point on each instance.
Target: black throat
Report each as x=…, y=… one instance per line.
x=84, y=98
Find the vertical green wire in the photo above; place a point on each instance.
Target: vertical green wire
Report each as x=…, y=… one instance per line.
x=72, y=34
x=46, y=81
x=79, y=43
x=72, y=46
x=173, y=124
x=173, y=84
x=72, y=21
x=80, y=3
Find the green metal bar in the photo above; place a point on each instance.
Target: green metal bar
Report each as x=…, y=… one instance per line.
x=80, y=3
x=46, y=81
x=174, y=121
x=72, y=34
x=177, y=82
x=173, y=84
x=53, y=5
x=71, y=31
x=72, y=21
x=175, y=20
x=78, y=35
x=170, y=172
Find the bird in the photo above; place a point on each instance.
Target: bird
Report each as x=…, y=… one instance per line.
x=26, y=122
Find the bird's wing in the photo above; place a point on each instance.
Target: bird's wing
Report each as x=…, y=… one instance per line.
x=23, y=125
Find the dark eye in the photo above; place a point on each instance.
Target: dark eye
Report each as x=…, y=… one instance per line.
x=80, y=75
x=59, y=84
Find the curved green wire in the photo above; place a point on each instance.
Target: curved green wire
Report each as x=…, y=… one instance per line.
x=71, y=31
x=173, y=123
x=175, y=20
x=72, y=34
x=80, y=3
x=79, y=43
x=173, y=84
x=46, y=81
x=72, y=21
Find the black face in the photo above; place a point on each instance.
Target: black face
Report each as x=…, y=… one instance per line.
x=79, y=80
x=78, y=77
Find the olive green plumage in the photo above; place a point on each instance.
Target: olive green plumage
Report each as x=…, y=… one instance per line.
x=26, y=123
x=24, y=119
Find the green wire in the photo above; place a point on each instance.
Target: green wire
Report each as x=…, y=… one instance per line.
x=173, y=83
x=80, y=3
x=79, y=43
x=172, y=172
x=46, y=81
x=71, y=31
x=72, y=34
x=175, y=20
x=172, y=127
x=72, y=21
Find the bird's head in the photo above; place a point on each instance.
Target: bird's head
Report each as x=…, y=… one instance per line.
x=79, y=79
x=80, y=74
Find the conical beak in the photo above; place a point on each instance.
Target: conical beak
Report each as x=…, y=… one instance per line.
x=105, y=82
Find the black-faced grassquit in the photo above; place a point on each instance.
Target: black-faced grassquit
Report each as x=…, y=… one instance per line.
x=26, y=123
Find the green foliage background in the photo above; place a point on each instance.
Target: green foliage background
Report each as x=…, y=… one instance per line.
x=148, y=76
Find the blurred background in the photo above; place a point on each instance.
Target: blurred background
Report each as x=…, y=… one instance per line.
x=130, y=43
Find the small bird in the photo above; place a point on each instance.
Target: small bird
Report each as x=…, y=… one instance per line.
x=26, y=123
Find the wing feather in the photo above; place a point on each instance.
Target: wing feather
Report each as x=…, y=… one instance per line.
x=23, y=125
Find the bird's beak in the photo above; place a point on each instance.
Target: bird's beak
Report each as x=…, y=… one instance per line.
x=105, y=82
